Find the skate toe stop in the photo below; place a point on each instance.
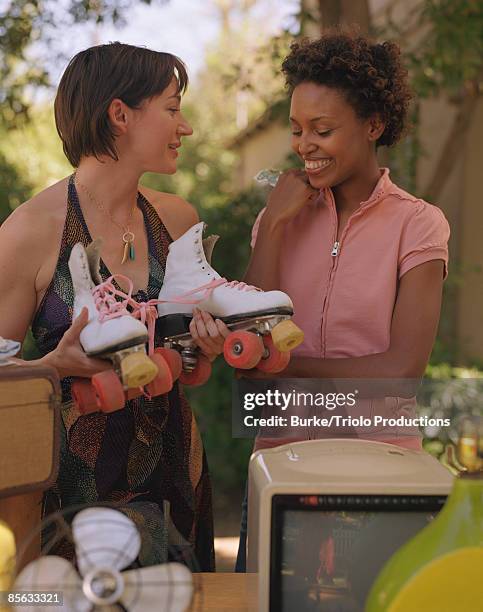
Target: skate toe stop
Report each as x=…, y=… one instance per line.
x=286, y=335
x=137, y=370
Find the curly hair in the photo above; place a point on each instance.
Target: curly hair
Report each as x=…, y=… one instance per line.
x=370, y=75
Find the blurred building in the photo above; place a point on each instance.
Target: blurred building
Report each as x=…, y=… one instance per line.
x=265, y=143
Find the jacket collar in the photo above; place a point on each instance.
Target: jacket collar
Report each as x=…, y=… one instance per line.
x=384, y=187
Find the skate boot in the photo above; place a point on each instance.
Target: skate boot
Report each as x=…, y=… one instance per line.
x=263, y=333
x=115, y=333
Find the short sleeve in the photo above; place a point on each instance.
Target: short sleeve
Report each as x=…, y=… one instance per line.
x=255, y=227
x=424, y=238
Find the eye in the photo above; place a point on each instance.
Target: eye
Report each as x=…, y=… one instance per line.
x=324, y=133
x=173, y=111
x=296, y=133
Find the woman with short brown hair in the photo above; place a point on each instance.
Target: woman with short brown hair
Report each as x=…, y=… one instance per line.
x=118, y=114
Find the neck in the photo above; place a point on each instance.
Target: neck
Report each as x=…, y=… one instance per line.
x=351, y=193
x=113, y=184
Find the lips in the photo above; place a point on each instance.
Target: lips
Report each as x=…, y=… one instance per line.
x=174, y=148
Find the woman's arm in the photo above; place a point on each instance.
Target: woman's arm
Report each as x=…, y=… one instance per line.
x=20, y=262
x=263, y=268
x=413, y=331
x=24, y=242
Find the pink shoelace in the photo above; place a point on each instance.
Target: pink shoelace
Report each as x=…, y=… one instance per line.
x=109, y=307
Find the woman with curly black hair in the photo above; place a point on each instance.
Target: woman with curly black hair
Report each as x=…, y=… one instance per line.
x=363, y=260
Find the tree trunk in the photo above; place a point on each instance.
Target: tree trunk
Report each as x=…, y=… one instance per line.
x=345, y=12
x=452, y=147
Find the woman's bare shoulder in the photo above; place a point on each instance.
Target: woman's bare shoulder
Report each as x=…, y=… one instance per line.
x=41, y=215
x=32, y=232
x=177, y=214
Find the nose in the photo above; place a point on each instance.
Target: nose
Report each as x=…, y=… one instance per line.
x=306, y=145
x=184, y=128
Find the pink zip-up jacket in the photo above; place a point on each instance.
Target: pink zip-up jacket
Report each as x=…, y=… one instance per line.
x=344, y=292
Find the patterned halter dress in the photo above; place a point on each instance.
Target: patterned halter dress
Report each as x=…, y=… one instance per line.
x=142, y=456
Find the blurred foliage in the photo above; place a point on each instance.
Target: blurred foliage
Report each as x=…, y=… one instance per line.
x=26, y=22
x=100, y=11
x=21, y=24
x=22, y=170
x=449, y=50
x=14, y=189
x=449, y=393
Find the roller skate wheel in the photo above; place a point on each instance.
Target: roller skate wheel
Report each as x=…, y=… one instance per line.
x=173, y=359
x=273, y=360
x=133, y=393
x=286, y=335
x=137, y=370
x=243, y=349
x=84, y=396
x=109, y=390
x=199, y=375
x=163, y=382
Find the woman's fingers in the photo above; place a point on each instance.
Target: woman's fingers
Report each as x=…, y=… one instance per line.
x=200, y=330
x=77, y=326
x=69, y=357
x=222, y=328
x=209, y=324
x=208, y=334
x=96, y=365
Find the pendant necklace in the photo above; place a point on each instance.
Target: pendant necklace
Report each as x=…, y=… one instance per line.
x=128, y=251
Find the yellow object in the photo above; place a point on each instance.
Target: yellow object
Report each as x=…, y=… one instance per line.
x=7, y=559
x=469, y=446
x=137, y=370
x=286, y=335
x=448, y=584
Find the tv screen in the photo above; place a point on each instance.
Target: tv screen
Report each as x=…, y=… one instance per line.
x=328, y=550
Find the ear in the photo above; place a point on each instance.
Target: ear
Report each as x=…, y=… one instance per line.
x=118, y=113
x=376, y=128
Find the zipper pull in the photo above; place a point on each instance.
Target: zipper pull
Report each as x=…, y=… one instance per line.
x=335, y=249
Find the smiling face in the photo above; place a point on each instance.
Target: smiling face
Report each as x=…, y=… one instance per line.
x=158, y=128
x=327, y=135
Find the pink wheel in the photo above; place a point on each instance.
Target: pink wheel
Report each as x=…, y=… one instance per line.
x=133, y=393
x=275, y=361
x=109, y=390
x=199, y=375
x=163, y=383
x=173, y=359
x=243, y=350
x=84, y=396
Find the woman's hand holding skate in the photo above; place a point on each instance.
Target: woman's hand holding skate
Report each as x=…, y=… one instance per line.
x=69, y=358
x=208, y=333
x=291, y=193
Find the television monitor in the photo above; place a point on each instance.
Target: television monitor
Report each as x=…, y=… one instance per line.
x=325, y=515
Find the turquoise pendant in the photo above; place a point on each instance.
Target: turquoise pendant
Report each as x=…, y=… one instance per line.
x=132, y=253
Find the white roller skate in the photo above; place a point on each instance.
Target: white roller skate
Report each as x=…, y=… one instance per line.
x=115, y=333
x=262, y=331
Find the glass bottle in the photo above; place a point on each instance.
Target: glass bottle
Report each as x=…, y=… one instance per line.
x=441, y=568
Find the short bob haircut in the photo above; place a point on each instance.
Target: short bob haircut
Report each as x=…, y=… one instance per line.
x=95, y=77
x=370, y=75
